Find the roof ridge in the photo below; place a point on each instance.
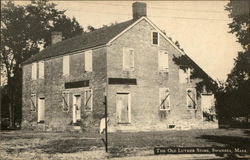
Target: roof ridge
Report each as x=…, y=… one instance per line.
x=83, y=41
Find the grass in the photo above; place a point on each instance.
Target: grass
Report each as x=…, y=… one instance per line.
x=35, y=145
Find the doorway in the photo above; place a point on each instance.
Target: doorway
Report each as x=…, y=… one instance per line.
x=207, y=106
x=76, y=108
x=123, y=104
x=41, y=110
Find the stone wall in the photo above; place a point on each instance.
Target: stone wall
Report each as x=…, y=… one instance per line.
x=52, y=86
x=145, y=112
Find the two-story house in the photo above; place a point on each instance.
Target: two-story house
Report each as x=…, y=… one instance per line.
x=134, y=64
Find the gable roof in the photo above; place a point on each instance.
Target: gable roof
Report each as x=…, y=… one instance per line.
x=86, y=40
x=100, y=37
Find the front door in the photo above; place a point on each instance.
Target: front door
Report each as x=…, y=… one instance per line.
x=123, y=107
x=76, y=108
x=41, y=110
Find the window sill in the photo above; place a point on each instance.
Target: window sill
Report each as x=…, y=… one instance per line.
x=165, y=110
x=124, y=123
x=40, y=122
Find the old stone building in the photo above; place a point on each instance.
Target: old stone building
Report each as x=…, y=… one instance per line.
x=150, y=84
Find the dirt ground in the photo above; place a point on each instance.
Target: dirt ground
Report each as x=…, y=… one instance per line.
x=25, y=145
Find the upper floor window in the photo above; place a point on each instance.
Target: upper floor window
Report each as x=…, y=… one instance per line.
x=128, y=59
x=88, y=61
x=155, y=38
x=66, y=65
x=184, y=74
x=164, y=97
x=163, y=60
x=191, y=98
x=88, y=98
x=41, y=70
x=34, y=71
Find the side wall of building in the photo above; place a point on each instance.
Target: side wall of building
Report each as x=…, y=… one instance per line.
x=145, y=112
x=53, y=85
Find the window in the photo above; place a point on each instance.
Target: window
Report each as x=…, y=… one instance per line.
x=123, y=104
x=34, y=71
x=184, y=75
x=33, y=102
x=88, y=61
x=163, y=61
x=41, y=110
x=65, y=98
x=41, y=70
x=164, y=99
x=88, y=96
x=128, y=59
x=66, y=65
x=155, y=38
x=191, y=98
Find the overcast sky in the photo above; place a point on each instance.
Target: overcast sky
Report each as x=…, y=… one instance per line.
x=199, y=26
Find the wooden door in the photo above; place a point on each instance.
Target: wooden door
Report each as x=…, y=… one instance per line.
x=123, y=107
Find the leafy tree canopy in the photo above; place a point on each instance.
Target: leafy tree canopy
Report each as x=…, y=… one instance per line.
x=25, y=30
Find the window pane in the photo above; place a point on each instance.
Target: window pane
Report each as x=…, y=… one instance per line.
x=155, y=37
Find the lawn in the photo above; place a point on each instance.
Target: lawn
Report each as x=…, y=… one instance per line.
x=39, y=145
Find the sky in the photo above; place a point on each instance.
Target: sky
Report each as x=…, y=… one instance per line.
x=201, y=27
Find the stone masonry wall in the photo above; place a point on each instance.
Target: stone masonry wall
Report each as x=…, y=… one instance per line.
x=145, y=113
x=52, y=86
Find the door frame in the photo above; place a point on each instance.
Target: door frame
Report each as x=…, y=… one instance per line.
x=39, y=110
x=205, y=94
x=73, y=108
x=129, y=105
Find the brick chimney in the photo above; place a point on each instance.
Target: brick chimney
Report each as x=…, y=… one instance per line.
x=139, y=10
x=56, y=37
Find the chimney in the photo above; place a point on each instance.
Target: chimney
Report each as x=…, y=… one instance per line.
x=56, y=37
x=139, y=10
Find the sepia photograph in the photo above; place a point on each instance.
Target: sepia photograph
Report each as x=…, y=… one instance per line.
x=125, y=80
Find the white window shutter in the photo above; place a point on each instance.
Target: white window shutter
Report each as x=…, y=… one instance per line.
x=33, y=102
x=34, y=71
x=164, y=99
x=188, y=74
x=66, y=65
x=131, y=59
x=88, y=100
x=128, y=59
x=88, y=61
x=163, y=60
x=191, y=98
x=41, y=69
x=182, y=76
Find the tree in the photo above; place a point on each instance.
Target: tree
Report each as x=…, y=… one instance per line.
x=239, y=12
x=234, y=99
x=24, y=31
